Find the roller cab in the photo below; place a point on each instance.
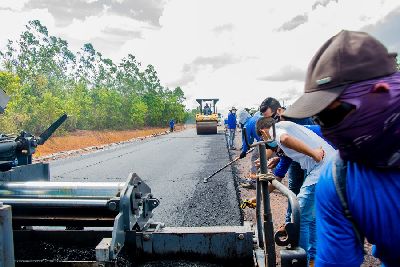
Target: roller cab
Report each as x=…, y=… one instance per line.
x=207, y=117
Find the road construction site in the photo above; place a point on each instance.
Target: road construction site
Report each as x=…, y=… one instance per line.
x=173, y=166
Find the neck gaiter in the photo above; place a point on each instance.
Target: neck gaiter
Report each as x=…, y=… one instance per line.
x=371, y=134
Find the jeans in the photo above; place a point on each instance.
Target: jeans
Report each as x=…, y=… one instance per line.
x=307, y=240
x=295, y=181
x=231, y=137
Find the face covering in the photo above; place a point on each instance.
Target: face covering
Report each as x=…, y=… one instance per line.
x=276, y=117
x=371, y=133
x=272, y=144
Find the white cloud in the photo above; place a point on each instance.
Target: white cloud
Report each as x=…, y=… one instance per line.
x=244, y=40
x=13, y=4
x=16, y=22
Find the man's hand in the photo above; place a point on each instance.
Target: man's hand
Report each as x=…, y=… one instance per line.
x=318, y=154
x=242, y=155
x=272, y=162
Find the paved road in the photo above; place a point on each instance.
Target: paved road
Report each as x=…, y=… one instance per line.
x=174, y=166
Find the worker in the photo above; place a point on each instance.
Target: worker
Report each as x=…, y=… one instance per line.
x=171, y=125
x=352, y=89
x=251, y=134
x=312, y=153
x=207, y=110
x=232, y=128
x=244, y=115
x=270, y=107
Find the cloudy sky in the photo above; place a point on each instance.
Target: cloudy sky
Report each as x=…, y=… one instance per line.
x=238, y=51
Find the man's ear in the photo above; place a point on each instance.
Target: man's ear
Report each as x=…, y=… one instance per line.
x=380, y=88
x=264, y=132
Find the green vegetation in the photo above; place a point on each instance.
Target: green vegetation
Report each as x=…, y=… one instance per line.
x=45, y=79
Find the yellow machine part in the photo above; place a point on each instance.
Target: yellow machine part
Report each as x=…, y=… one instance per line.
x=206, y=124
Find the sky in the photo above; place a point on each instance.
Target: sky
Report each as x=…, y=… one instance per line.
x=238, y=51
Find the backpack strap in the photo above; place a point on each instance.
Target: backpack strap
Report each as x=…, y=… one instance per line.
x=339, y=170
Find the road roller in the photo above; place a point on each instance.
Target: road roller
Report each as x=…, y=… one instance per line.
x=207, y=117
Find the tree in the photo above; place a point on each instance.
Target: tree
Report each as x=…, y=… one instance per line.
x=45, y=79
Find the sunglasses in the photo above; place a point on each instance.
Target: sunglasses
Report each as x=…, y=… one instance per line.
x=331, y=117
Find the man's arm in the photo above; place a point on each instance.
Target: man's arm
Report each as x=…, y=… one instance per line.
x=280, y=170
x=297, y=145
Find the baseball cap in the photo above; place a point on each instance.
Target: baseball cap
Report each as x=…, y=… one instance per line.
x=345, y=58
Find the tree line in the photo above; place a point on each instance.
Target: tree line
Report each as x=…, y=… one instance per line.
x=45, y=79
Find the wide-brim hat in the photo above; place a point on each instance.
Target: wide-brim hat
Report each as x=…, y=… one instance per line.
x=346, y=58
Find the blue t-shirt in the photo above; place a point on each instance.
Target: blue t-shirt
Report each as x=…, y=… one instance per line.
x=250, y=126
x=373, y=196
x=231, y=120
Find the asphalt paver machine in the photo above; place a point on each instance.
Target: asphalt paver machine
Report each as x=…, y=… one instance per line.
x=104, y=223
x=207, y=116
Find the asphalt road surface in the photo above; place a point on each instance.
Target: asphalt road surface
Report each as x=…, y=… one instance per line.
x=174, y=166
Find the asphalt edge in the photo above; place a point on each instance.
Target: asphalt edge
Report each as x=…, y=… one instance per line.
x=236, y=177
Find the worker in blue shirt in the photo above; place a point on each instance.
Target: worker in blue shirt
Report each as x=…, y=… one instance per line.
x=232, y=127
x=352, y=89
x=171, y=125
x=251, y=133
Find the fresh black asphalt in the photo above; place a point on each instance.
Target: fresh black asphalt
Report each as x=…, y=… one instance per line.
x=174, y=166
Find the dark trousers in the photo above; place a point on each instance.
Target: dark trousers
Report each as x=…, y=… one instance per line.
x=296, y=177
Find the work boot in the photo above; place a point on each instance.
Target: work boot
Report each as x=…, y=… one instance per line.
x=248, y=185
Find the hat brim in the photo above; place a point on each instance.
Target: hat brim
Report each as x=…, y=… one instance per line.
x=312, y=103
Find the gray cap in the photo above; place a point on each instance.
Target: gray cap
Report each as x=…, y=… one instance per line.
x=346, y=58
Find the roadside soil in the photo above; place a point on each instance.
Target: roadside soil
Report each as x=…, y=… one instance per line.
x=83, y=141
x=278, y=202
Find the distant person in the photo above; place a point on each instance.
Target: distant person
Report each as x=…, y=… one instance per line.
x=207, y=110
x=232, y=128
x=171, y=125
x=352, y=89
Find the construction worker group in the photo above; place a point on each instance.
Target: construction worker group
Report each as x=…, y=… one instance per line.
x=339, y=147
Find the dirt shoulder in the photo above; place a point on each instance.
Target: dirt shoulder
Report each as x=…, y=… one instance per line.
x=79, y=142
